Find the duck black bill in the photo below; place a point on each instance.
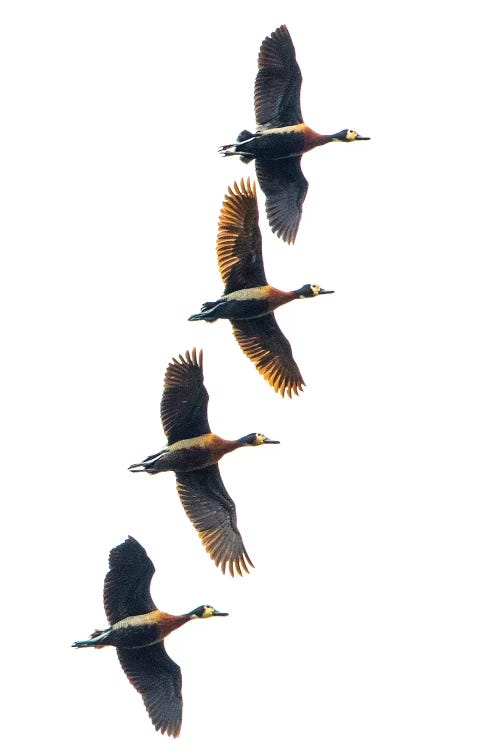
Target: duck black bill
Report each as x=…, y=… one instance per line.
x=271, y=442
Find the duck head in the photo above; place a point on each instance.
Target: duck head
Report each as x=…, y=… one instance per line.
x=311, y=290
x=349, y=135
x=201, y=613
x=256, y=438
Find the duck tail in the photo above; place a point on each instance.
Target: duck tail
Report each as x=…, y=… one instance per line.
x=236, y=149
x=202, y=316
x=152, y=464
x=205, y=314
x=245, y=135
x=94, y=641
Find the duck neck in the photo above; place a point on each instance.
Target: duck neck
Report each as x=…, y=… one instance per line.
x=240, y=442
x=230, y=445
x=313, y=139
x=278, y=297
x=169, y=623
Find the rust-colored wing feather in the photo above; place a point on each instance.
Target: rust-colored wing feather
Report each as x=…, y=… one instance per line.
x=262, y=340
x=185, y=398
x=239, y=241
x=158, y=679
x=278, y=82
x=285, y=188
x=126, y=586
x=213, y=514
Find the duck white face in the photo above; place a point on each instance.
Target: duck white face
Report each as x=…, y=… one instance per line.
x=260, y=439
x=349, y=135
x=200, y=613
x=208, y=611
x=256, y=438
x=311, y=290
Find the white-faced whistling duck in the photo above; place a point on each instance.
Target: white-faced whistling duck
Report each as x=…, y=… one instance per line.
x=193, y=452
x=137, y=632
x=248, y=300
x=281, y=136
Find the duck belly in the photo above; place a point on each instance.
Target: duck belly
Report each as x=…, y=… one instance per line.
x=184, y=456
x=278, y=143
x=124, y=635
x=239, y=309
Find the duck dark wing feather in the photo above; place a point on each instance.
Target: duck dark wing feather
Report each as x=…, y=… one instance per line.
x=239, y=241
x=278, y=82
x=158, y=679
x=213, y=514
x=185, y=398
x=126, y=585
x=262, y=340
x=285, y=188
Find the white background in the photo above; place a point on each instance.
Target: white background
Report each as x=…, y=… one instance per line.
x=371, y=619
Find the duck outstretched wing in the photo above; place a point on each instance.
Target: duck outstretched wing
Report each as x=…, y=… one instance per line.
x=262, y=340
x=239, y=241
x=127, y=583
x=185, y=398
x=213, y=514
x=158, y=679
x=278, y=82
x=285, y=188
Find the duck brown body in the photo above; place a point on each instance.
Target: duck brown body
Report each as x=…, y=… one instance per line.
x=245, y=304
x=188, y=455
x=280, y=143
x=138, y=631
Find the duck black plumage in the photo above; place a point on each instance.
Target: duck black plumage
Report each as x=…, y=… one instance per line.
x=248, y=300
x=137, y=631
x=193, y=453
x=281, y=136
